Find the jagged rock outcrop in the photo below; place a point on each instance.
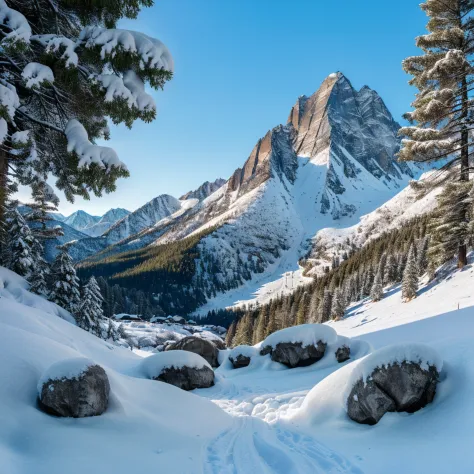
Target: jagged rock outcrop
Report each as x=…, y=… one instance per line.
x=205, y=190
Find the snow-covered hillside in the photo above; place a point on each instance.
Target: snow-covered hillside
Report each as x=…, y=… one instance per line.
x=263, y=418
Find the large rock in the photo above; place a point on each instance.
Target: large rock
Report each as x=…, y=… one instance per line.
x=203, y=347
x=404, y=387
x=294, y=354
x=187, y=378
x=78, y=396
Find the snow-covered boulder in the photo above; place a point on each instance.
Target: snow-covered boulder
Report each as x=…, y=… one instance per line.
x=299, y=346
x=241, y=356
x=183, y=369
x=400, y=378
x=75, y=388
x=203, y=347
x=343, y=353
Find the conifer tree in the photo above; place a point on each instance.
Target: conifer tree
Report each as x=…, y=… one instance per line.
x=21, y=244
x=376, y=293
x=44, y=202
x=302, y=309
x=112, y=331
x=90, y=311
x=326, y=306
x=243, y=334
x=422, y=258
x=441, y=120
x=450, y=228
x=410, y=277
x=64, y=290
x=260, y=328
x=65, y=70
x=338, y=306
x=229, y=337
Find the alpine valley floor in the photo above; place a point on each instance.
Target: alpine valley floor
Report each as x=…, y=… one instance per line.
x=259, y=419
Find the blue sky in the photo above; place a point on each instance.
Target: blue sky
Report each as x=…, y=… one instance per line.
x=239, y=67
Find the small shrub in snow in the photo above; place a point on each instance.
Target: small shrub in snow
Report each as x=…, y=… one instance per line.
x=74, y=388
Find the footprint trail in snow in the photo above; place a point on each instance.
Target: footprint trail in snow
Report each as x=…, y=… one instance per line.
x=253, y=446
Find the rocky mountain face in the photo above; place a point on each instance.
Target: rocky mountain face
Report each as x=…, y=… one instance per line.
x=205, y=190
x=332, y=162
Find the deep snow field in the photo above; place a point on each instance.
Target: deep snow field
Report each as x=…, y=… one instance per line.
x=260, y=419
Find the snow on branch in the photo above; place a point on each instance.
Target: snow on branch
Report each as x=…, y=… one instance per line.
x=152, y=52
x=3, y=130
x=35, y=74
x=130, y=88
x=20, y=30
x=9, y=100
x=88, y=153
x=56, y=43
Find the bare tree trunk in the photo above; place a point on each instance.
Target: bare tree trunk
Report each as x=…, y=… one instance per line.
x=464, y=171
x=3, y=196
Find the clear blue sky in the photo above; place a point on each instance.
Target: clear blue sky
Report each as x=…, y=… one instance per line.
x=239, y=67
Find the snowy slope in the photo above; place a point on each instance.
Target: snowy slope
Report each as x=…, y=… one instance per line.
x=264, y=418
x=309, y=400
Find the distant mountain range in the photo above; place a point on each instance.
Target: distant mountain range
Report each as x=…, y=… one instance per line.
x=333, y=161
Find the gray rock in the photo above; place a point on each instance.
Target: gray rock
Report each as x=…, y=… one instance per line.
x=203, y=347
x=86, y=395
x=240, y=361
x=293, y=354
x=266, y=350
x=187, y=378
x=343, y=353
x=399, y=387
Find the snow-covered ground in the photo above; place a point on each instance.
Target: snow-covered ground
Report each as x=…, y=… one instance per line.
x=258, y=419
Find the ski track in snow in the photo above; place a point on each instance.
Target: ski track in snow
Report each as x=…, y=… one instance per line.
x=251, y=445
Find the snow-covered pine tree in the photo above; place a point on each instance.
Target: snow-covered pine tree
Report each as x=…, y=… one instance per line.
x=90, y=311
x=338, y=306
x=441, y=119
x=21, y=257
x=243, y=334
x=391, y=270
x=65, y=70
x=422, y=257
x=325, y=306
x=376, y=293
x=112, y=332
x=64, y=283
x=44, y=202
x=410, y=277
x=450, y=229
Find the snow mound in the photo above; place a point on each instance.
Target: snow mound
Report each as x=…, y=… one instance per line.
x=247, y=351
x=420, y=354
x=307, y=334
x=65, y=369
x=154, y=365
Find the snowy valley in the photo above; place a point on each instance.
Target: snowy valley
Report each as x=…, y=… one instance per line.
x=261, y=418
